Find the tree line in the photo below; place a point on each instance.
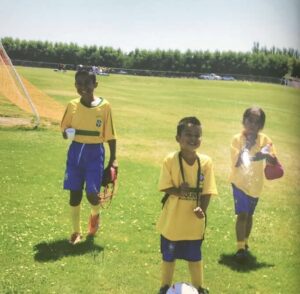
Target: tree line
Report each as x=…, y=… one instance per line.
x=261, y=61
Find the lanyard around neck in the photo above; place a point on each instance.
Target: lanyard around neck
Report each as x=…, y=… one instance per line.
x=198, y=176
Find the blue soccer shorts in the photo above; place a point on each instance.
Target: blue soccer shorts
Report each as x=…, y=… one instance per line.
x=243, y=202
x=189, y=250
x=85, y=164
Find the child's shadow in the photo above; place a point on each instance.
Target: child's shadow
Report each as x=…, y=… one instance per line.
x=58, y=249
x=250, y=264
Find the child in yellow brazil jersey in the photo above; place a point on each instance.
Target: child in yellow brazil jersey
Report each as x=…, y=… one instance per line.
x=248, y=151
x=188, y=180
x=91, y=119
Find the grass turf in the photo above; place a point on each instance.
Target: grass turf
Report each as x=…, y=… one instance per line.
x=124, y=257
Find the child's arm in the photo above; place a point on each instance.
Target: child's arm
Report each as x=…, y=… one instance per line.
x=201, y=211
x=271, y=159
x=180, y=191
x=107, y=176
x=65, y=122
x=112, y=149
x=204, y=200
x=260, y=156
x=267, y=153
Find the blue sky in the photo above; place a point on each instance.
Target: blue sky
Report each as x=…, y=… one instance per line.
x=165, y=24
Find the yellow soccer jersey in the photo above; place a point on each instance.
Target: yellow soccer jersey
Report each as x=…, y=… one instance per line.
x=93, y=124
x=177, y=220
x=250, y=180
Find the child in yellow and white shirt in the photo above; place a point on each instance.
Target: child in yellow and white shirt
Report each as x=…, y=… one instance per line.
x=247, y=173
x=91, y=119
x=188, y=180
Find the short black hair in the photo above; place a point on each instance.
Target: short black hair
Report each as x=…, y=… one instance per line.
x=83, y=72
x=184, y=122
x=262, y=115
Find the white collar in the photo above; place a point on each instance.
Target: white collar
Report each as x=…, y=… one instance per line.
x=95, y=102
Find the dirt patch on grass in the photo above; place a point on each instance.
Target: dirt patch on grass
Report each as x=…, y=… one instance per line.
x=14, y=121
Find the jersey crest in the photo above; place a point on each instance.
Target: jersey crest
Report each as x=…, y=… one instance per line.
x=98, y=123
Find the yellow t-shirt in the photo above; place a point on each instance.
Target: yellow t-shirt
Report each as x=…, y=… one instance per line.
x=250, y=180
x=177, y=220
x=93, y=124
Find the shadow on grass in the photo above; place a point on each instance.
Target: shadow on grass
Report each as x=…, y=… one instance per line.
x=250, y=264
x=58, y=249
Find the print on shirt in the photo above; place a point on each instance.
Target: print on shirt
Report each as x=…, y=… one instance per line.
x=192, y=193
x=98, y=123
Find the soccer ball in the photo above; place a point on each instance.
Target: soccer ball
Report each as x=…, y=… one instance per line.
x=182, y=288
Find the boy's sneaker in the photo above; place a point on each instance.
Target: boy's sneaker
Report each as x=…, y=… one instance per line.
x=203, y=291
x=164, y=289
x=75, y=238
x=93, y=224
x=241, y=255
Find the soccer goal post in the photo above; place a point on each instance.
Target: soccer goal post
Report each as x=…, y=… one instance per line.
x=12, y=87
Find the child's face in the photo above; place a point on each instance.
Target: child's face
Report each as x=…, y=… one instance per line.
x=85, y=86
x=252, y=123
x=190, y=138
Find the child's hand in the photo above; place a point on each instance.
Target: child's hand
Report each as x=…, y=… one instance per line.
x=264, y=153
x=199, y=212
x=115, y=166
x=184, y=189
x=271, y=159
x=110, y=174
x=259, y=156
x=64, y=135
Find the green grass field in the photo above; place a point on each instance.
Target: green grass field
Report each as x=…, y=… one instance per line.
x=35, y=256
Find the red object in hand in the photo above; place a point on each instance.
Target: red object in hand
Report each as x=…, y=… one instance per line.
x=273, y=171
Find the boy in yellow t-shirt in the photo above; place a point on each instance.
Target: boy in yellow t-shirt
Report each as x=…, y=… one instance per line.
x=248, y=151
x=188, y=180
x=91, y=118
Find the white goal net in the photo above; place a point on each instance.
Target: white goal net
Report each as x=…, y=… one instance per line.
x=12, y=87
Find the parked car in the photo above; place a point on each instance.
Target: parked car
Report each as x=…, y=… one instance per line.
x=210, y=76
x=204, y=77
x=215, y=77
x=228, y=78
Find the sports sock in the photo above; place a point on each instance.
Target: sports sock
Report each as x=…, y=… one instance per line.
x=75, y=216
x=196, y=272
x=240, y=245
x=167, y=271
x=95, y=209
